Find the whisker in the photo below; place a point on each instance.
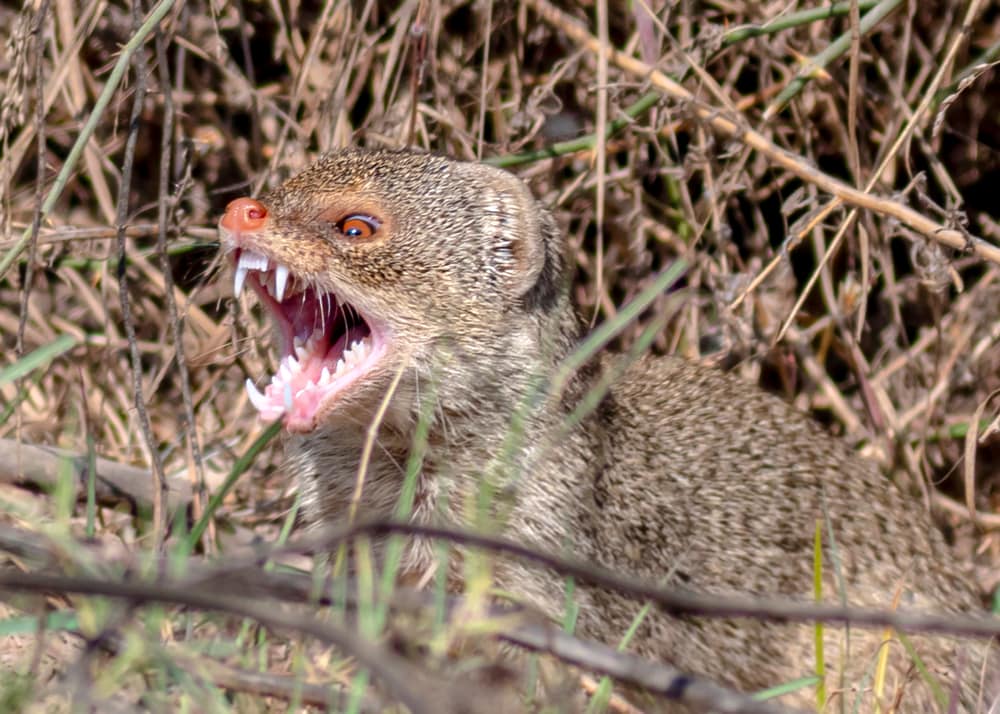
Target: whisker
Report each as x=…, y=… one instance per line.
x=323, y=305
x=347, y=320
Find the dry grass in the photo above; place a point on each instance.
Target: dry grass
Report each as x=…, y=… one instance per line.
x=881, y=322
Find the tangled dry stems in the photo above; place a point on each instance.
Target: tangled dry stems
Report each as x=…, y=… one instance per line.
x=886, y=316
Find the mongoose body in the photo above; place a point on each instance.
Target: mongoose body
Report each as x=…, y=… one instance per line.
x=407, y=287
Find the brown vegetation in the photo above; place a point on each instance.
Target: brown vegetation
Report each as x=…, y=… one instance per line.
x=727, y=133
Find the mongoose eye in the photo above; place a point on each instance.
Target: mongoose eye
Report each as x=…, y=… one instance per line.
x=358, y=226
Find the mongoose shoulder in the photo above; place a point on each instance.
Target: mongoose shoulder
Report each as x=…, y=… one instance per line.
x=415, y=287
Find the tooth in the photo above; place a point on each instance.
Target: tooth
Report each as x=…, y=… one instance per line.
x=238, y=279
x=324, y=377
x=260, y=401
x=285, y=372
x=252, y=261
x=340, y=366
x=288, y=397
x=300, y=353
x=280, y=280
x=297, y=342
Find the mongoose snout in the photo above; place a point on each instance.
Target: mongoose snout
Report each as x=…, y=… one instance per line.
x=409, y=290
x=326, y=343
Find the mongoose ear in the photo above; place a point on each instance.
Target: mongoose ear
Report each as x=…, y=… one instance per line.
x=520, y=231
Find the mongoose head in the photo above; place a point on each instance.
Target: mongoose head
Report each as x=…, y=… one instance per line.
x=372, y=262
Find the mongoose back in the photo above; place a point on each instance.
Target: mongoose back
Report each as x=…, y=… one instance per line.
x=415, y=287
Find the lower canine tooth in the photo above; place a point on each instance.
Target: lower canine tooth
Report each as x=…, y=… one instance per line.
x=259, y=400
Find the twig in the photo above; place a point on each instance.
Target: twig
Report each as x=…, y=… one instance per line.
x=138, y=393
x=528, y=633
x=36, y=221
x=663, y=680
x=674, y=601
x=165, y=205
x=40, y=465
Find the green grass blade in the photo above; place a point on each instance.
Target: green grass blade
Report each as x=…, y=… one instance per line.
x=835, y=49
x=28, y=624
x=787, y=688
x=37, y=359
x=818, y=632
x=241, y=465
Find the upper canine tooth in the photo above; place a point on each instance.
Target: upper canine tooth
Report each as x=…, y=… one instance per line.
x=280, y=280
x=238, y=279
x=249, y=260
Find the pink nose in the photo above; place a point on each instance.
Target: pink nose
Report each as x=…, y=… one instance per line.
x=244, y=215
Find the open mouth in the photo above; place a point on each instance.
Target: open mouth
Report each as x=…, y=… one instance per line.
x=326, y=343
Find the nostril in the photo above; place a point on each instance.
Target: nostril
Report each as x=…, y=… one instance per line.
x=244, y=214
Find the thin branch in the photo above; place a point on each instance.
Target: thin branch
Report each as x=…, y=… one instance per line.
x=159, y=484
x=663, y=680
x=674, y=601
x=166, y=203
x=40, y=466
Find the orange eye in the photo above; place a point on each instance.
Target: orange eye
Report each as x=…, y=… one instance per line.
x=359, y=226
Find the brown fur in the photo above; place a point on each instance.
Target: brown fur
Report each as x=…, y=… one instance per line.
x=682, y=475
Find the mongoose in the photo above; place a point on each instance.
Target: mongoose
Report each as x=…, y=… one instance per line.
x=433, y=280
